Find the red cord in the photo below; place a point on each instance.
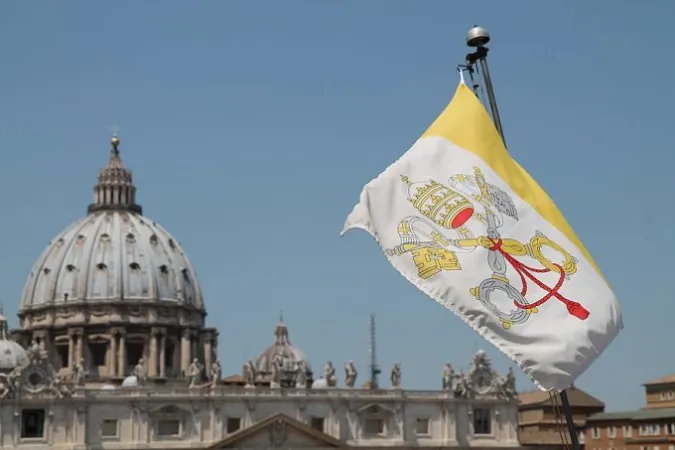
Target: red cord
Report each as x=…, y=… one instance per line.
x=524, y=271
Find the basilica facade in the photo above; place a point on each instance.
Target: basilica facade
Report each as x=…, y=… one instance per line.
x=113, y=353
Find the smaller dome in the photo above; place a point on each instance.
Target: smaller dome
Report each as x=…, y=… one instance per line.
x=282, y=350
x=130, y=382
x=320, y=383
x=12, y=355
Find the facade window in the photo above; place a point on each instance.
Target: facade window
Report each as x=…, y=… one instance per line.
x=650, y=430
x=374, y=426
x=134, y=351
x=98, y=351
x=62, y=350
x=233, y=424
x=581, y=437
x=667, y=395
x=670, y=428
x=32, y=423
x=109, y=428
x=168, y=428
x=627, y=431
x=595, y=433
x=644, y=447
x=317, y=423
x=169, y=353
x=611, y=432
x=482, y=423
x=422, y=426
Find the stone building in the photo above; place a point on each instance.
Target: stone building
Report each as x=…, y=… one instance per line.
x=113, y=353
x=650, y=428
x=541, y=421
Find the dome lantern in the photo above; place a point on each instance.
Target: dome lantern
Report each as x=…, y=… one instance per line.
x=115, y=190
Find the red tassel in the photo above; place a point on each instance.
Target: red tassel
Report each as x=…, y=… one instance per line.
x=577, y=310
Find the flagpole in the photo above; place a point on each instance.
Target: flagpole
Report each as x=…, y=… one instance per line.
x=477, y=38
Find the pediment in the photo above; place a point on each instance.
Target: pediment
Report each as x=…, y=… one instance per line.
x=170, y=410
x=375, y=410
x=279, y=431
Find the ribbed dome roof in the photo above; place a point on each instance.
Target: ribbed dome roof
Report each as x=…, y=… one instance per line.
x=114, y=253
x=290, y=356
x=12, y=355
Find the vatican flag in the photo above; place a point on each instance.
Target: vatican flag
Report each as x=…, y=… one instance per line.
x=462, y=221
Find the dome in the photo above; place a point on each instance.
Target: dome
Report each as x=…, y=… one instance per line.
x=114, y=253
x=12, y=355
x=130, y=382
x=320, y=383
x=282, y=349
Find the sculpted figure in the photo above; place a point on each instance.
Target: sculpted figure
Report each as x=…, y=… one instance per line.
x=396, y=376
x=301, y=375
x=448, y=376
x=216, y=373
x=58, y=388
x=6, y=387
x=508, y=385
x=329, y=374
x=275, y=375
x=249, y=374
x=14, y=379
x=80, y=373
x=350, y=374
x=35, y=352
x=194, y=372
x=140, y=373
x=463, y=386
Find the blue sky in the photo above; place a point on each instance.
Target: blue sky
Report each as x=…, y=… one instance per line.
x=251, y=128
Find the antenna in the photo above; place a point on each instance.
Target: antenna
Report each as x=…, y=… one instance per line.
x=374, y=368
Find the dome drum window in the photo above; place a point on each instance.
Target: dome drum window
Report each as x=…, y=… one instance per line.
x=70, y=268
x=164, y=269
x=101, y=266
x=153, y=239
x=105, y=237
x=131, y=238
x=134, y=266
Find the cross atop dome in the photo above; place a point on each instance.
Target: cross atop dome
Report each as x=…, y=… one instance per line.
x=115, y=190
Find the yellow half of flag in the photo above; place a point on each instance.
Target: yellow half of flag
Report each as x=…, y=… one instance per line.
x=466, y=123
